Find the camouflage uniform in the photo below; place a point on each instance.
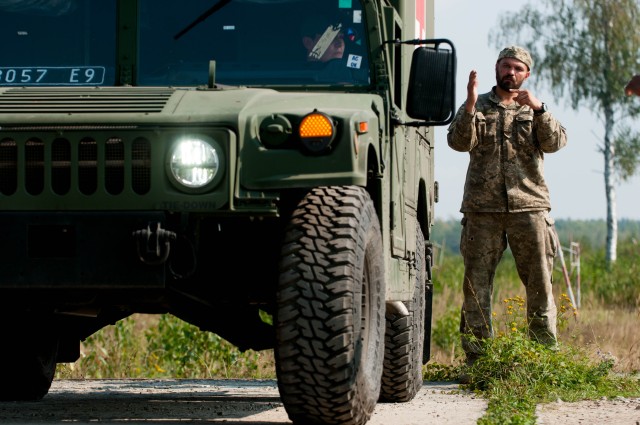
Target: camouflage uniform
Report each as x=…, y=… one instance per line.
x=506, y=200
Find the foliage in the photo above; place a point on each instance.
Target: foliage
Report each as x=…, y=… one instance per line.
x=447, y=272
x=140, y=347
x=438, y=372
x=627, y=148
x=208, y=354
x=445, y=330
x=617, y=284
x=116, y=353
x=586, y=50
x=516, y=373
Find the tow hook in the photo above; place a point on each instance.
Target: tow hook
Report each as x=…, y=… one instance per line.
x=153, y=244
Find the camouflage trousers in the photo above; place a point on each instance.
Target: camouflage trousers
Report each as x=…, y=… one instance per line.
x=531, y=237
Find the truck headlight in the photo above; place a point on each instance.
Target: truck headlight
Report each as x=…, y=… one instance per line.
x=194, y=162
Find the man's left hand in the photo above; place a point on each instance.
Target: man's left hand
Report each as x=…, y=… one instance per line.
x=525, y=97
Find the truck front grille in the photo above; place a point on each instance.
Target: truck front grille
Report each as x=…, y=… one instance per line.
x=82, y=164
x=83, y=100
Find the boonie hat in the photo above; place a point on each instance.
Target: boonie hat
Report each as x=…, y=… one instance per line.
x=517, y=52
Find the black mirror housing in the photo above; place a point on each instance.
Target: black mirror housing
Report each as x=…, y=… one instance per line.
x=431, y=93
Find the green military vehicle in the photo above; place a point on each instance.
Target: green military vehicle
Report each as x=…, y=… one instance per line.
x=224, y=161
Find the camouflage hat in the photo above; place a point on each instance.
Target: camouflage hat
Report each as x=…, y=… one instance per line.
x=517, y=52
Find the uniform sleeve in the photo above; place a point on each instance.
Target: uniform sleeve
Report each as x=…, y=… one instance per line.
x=551, y=135
x=462, y=135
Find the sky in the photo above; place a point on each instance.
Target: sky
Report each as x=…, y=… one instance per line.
x=574, y=174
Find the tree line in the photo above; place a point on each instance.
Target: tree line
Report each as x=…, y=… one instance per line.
x=590, y=234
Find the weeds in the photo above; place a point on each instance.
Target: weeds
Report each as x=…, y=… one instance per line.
x=164, y=347
x=616, y=284
x=446, y=328
x=516, y=373
x=115, y=352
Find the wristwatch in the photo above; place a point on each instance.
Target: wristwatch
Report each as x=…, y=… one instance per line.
x=541, y=110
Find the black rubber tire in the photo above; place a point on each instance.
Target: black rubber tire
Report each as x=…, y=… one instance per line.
x=404, y=339
x=330, y=317
x=29, y=358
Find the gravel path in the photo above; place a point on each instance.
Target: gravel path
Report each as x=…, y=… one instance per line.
x=620, y=411
x=167, y=402
x=211, y=401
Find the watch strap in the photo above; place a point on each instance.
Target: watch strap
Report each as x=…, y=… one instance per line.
x=541, y=110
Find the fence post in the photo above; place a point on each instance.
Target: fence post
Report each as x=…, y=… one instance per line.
x=565, y=273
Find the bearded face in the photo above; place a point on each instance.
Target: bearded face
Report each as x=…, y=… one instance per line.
x=507, y=82
x=510, y=73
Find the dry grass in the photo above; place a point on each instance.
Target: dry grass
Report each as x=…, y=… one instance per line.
x=603, y=330
x=608, y=332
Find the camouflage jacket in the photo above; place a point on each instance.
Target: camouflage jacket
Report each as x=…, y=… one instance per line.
x=506, y=145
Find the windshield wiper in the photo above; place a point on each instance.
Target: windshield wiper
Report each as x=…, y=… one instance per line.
x=219, y=5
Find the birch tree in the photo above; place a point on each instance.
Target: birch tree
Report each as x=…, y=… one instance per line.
x=586, y=51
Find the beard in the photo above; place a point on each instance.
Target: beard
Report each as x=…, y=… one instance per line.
x=507, y=83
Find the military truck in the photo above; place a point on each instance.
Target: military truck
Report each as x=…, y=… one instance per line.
x=204, y=159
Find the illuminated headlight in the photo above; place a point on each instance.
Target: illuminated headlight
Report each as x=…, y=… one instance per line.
x=194, y=162
x=317, y=132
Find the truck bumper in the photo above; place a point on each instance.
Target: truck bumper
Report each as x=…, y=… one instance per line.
x=69, y=251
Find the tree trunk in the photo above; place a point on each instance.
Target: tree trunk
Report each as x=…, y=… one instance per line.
x=612, y=220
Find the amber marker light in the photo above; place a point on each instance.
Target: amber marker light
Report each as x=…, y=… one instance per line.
x=316, y=132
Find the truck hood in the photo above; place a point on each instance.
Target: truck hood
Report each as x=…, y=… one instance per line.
x=156, y=105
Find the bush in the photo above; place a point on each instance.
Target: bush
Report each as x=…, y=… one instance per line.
x=180, y=350
x=617, y=284
x=142, y=346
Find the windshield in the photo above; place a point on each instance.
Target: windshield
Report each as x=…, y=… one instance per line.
x=253, y=42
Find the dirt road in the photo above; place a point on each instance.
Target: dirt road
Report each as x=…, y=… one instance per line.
x=167, y=402
x=230, y=401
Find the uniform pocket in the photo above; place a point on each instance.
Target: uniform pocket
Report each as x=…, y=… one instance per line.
x=552, y=240
x=463, y=236
x=487, y=127
x=524, y=127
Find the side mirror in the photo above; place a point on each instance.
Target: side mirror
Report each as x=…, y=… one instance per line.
x=432, y=89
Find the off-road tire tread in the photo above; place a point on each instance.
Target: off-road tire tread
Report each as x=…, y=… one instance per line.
x=332, y=250
x=404, y=339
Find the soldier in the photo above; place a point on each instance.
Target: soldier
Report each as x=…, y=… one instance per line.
x=325, y=45
x=333, y=51
x=506, y=131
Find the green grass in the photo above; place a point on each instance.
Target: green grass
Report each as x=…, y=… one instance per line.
x=163, y=347
x=515, y=373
